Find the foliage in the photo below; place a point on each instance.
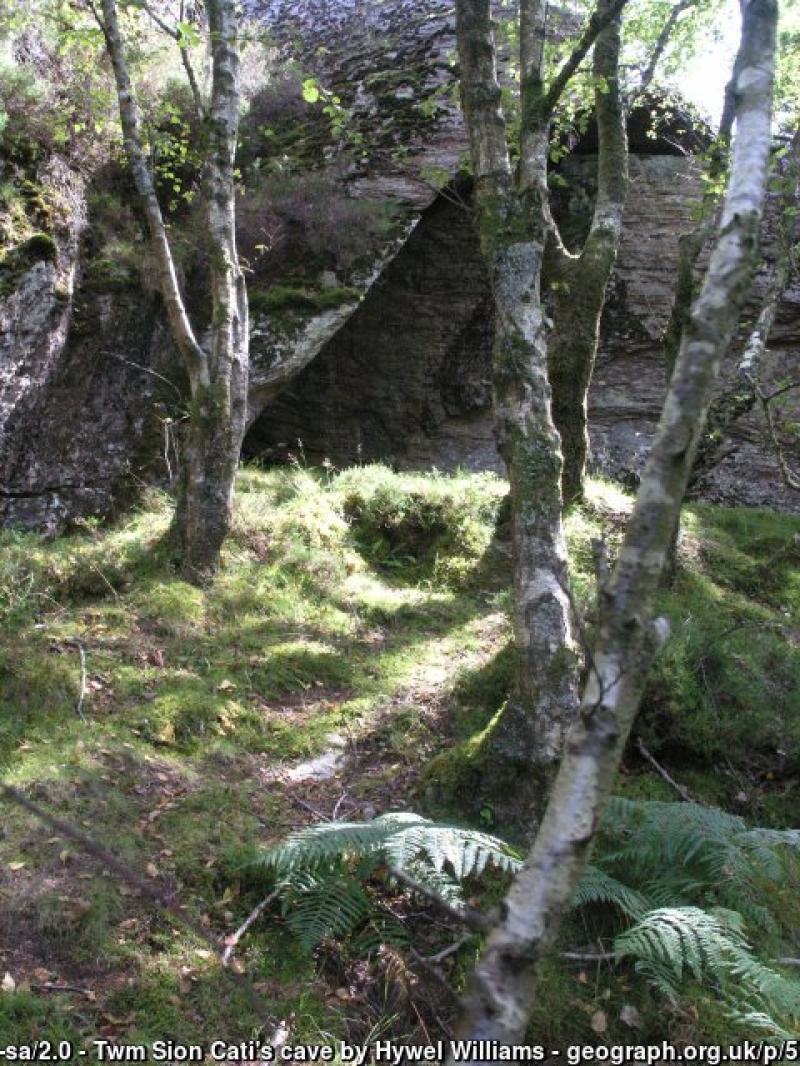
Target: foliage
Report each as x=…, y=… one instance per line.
x=693, y=878
x=656, y=862
x=312, y=628
x=672, y=944
x=279, y=298
x=322, y=872
x=298, y=224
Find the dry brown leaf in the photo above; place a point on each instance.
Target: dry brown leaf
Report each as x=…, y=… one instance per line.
x=599, y=1022
x=630, y=1016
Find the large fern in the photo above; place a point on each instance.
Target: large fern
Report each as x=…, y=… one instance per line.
x=680, y=883
x=321, y=871
x=685, y=854
x=672, y=944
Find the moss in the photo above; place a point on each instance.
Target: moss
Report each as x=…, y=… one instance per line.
x=39, y=248
x=299, y=298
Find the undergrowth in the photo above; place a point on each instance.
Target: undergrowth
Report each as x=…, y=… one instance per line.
x=367, y=604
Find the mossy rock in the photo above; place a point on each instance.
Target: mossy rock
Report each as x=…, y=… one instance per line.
x=298, y=299
x=39, y=248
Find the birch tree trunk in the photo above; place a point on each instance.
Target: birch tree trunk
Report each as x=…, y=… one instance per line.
x=504, y=986
x=525, y=743
x=522, y=749
x=217, y=371
x=219, y=406
x=581, y=281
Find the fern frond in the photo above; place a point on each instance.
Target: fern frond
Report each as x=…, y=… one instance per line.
x=675, y=942
x=332, y=908
x=596, y=886
x=319, y=869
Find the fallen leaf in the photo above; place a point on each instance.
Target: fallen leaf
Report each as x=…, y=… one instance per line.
x=599, y=1022
x=78, y=907
x=152, y=869
x=16, y=865
x=630, y=1016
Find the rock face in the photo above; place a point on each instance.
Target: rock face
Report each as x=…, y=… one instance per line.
x=408, y=379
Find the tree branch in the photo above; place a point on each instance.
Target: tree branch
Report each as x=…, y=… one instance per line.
x=465, y=915
x=481, y=96
x=600, y=18
x=181, y=328
x=176, y=35
x=660, y=47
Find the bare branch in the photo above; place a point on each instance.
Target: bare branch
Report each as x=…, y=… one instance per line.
x=176, y=35
x=82, y=685
x=233, y=939
x=157, y=894
x=182, y=331
x=596, y=24
x=660, y=47
x=790, y=479
x=465, y=915
x=682, y=792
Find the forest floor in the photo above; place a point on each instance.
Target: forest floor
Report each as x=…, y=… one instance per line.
x=359, y=627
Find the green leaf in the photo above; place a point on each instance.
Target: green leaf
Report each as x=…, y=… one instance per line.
x=311, y=93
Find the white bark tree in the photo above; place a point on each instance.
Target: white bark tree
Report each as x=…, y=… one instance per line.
x=504, y=985
x=541, y=383
x=217, y=368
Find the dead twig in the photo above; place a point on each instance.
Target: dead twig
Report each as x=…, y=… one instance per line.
x=434, y=973
x=307, y=807
x=588, y=956
x=82, y=685
x=682, y=792
x=465, y=915
x=233, y=939
x=451, y=949
x=49, y=987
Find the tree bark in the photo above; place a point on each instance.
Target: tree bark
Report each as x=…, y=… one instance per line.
x=504, y=986
x=742, y=392
x=526, y=741
x=581, y=281
x=218, y=371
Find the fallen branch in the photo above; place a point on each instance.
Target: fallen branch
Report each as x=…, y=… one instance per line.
x=234, y=938
x=159, y=897
x=465, y=915
x=82, y=686
x=682, y=792
x=451, y=949
x=589, y=956
x=48, y=987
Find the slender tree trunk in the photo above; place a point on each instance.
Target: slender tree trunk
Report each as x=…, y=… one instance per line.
x=579, y=295
x=218, y=412
x=504, y=986
x=525, y=742
x=218, y=372
x=211, y=447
